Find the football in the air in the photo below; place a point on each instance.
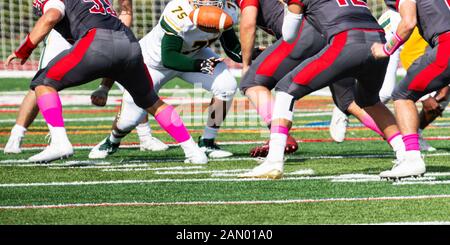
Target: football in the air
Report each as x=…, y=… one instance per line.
x=211, y=19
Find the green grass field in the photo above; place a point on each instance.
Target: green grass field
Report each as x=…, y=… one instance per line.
x=324, y=182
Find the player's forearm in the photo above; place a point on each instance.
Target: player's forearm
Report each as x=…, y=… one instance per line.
x=247, y=33
x=407, y=10
x=231, y=45
x=172, y=57
x=107, y=83
x=408, y=13
x=44, y=25
x=126, y=12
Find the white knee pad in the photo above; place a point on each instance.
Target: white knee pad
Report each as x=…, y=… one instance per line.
x=224, y=85
x=130, y=114
x=283, y=107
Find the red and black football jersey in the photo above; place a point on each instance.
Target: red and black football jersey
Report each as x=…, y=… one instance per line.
x=433, y=17
x=270, y=14
x=334, y=16
x=82, y=16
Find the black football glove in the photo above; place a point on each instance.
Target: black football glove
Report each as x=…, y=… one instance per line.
x=257, y=51
x=207, y=66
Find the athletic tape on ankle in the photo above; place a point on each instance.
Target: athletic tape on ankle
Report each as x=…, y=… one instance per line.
x=283, y=107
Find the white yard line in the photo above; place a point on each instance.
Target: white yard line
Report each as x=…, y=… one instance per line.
x=25, y=163
x=249, y=202
x=419, y=182
x=335, y=178
x=201, y=172
x=152, y=169
x=411, y=223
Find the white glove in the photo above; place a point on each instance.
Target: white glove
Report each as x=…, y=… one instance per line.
x=291, y=25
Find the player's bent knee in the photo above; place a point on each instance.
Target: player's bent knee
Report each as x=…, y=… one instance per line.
x=367, y=102
x=224, y=95
x=128, y=121
x=400, y=94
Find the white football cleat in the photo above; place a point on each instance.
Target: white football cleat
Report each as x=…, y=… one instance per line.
x=213, y=150
x=410, y=165
x=196, y=157
x=13, y=145
x=424, y=146
x=152, y=144
x=103, y=149
x=338, y=125
x=266, y=170
x=55, y=151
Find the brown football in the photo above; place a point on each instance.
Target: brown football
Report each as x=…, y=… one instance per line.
x=211, y=19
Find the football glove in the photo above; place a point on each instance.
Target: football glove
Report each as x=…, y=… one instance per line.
x=100, y=96
x=207, y=66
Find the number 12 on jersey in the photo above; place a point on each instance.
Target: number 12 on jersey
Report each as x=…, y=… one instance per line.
x=356, y=3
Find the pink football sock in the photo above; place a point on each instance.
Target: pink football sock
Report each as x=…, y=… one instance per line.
x=51, y=109
x=368, y=121
x=411, y=142
x=265, y=111
x=171, y=122
x=279, y=129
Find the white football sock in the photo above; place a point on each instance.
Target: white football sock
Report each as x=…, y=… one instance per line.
x=58, y=134
x=18, y=131
x=276, y=147
x=143, y=131
x=210, y=133
x=116, y=136
x=398, y=145
x=189, y=146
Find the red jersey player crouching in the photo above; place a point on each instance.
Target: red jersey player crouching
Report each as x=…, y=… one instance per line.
x=429, y=73
x=93, y=56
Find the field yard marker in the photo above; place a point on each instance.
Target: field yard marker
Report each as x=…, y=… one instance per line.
x=250, y=202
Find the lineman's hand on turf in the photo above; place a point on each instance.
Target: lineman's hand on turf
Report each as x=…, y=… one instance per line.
x=378, y=51
x=100, y=96
x=207, y=66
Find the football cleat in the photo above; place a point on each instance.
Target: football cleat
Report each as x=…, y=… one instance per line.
x=211, y=149
x=13, y=145
x=266, y=170
x=55, y=151
x=424, y=146
x=263, y=150
x=411, y=165
x=196, y=156
x=338, y=125
x=103, y=149
x=152, y=144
